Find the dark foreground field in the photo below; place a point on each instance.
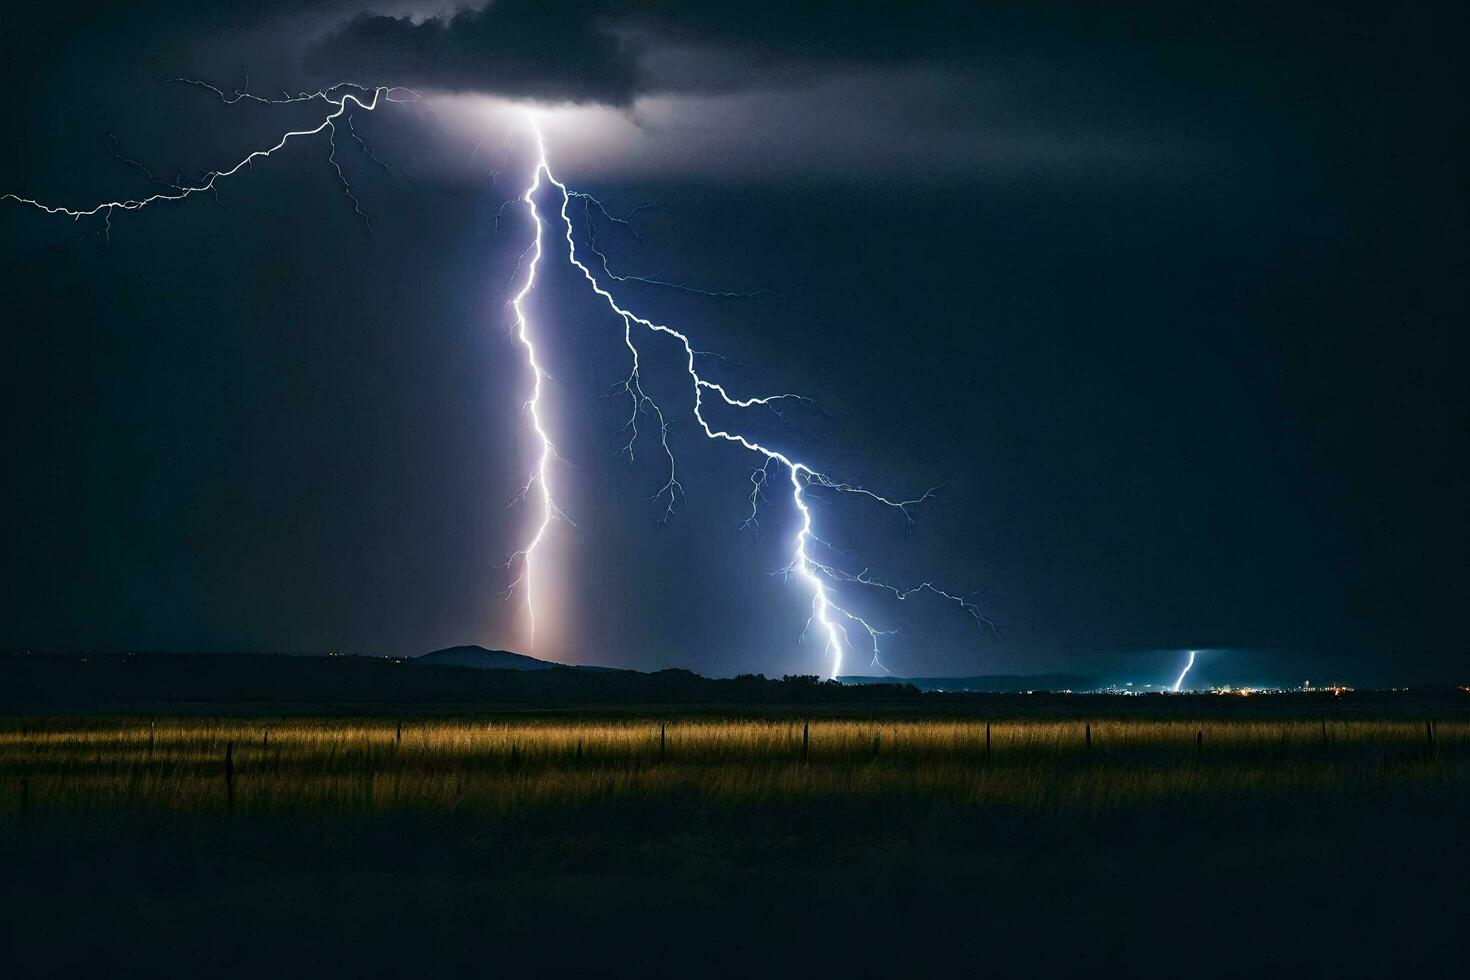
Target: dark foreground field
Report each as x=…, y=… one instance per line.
x=1322, y=844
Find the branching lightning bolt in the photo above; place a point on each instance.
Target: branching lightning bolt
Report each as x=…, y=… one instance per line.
x=813, y=560
x=341, y=97
x=656, y=279
x=832, y=617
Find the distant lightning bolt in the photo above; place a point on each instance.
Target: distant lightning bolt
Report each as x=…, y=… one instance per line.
x=1185, y=672
x=811, y=556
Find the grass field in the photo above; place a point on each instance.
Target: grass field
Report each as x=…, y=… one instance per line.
x=1083, y=770
x=874, y=845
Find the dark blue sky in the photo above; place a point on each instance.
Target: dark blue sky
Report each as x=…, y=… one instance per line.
x=1172, y=306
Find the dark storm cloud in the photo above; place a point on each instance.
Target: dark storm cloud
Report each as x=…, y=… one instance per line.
x=1066, y=88
x=993, y=90
x=607, y=50
x=514, y=47
x=596, y=50
x=996, y=90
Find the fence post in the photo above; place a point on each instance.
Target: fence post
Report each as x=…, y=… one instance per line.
x=662, y=740
x=398, y=736
x=150, y=738
x=806, y=739
x=1199, y=743
x=987, y=742
x=1087, y=734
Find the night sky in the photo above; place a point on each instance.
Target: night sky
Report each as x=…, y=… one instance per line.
x=1171, y=302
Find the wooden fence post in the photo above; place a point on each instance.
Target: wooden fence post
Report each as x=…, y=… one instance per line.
x=1087, y=734
x=806, y=739
x=150, y=738
x=987, y=742
x=398, y=736
x=662, y=740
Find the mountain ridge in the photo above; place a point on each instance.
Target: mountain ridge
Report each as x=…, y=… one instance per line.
x=481, y=658
x=476, y=657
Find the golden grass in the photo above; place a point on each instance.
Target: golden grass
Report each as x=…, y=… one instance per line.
x=325, y=766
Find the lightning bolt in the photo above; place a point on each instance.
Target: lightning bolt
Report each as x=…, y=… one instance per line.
x=541, y=477
x=832, y=617
x=813, y=560
x=1185, y=672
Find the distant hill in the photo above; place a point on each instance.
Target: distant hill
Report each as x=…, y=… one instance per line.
x=478, y=658
x=120, y=680
x=989, y=683
x=148, y=683
x=481, y=659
